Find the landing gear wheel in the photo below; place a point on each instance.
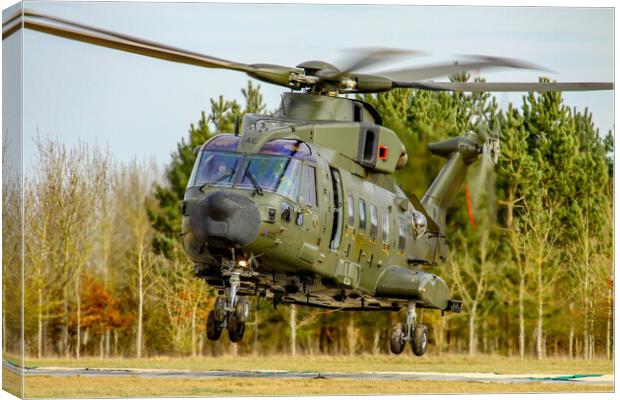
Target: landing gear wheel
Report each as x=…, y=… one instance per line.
x=242, y=309
x=220, y=309
x=214, y=329
x=419, y=340
x=236, y=329
x=397, y=338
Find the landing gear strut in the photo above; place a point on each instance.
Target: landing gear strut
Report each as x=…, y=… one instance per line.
x=415, y=334
x=230, y=313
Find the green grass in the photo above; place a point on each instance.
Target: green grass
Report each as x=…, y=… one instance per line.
x=80, y=386
x=304, y=363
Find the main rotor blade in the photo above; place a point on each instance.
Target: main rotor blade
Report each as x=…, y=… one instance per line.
x=507, y=86
x=436, y=70
x=88, y=34
x=216, y=61
x=101, y=37
x=10, y=28
x=11, y=25
x=365, y=57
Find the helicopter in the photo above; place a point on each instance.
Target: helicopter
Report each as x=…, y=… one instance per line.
x=301, y=207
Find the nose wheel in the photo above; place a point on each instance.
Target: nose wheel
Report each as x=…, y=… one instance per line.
x=230, y=312
x=236, y=329
x=415, y=334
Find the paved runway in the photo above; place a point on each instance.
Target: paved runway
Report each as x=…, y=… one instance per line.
x=583, y=379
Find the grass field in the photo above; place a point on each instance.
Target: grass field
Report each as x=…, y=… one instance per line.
x=87, y=386
x=303, y=363
x=143, y=387
x=11, y=382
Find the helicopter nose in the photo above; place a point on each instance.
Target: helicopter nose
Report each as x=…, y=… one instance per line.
x=225, y=218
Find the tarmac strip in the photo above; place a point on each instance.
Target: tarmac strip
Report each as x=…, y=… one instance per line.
x=579, y=379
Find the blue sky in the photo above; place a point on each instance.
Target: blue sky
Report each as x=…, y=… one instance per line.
x=137, y=106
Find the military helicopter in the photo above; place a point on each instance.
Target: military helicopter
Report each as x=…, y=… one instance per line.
x=301, y=207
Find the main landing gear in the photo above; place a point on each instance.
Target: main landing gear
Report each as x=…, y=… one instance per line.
x=230, y=313
x=415, y=334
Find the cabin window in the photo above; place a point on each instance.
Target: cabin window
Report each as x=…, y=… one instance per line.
x=362, y=215
x=334, y=244
x=350, y=211
x=309, y=191
x=386, y=226
x=374, y=221
x=402, y=234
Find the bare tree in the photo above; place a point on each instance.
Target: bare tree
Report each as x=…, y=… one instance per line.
x=520, y=260
x=66, y=188
x=539, y=235
x=186, y=299
x=12, y=235
x=471, y=278
x=603, y=275
x=133, y=189
x=590, y=273
x=471, y=262
x=295, y=324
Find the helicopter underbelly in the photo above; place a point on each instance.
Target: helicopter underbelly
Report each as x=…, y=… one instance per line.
x=314, y=291
x=282, y=288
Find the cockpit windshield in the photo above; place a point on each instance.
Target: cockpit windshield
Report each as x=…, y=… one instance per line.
x=273, y=174
x=276, y=168
x=217, y=168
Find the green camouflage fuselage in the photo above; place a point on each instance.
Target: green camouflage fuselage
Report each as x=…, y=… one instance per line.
x=345, y=237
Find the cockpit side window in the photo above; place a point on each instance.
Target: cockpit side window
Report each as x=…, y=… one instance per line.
x=192, y=177
x=309, y=187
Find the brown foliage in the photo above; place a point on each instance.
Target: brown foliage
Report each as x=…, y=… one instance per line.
x=100, y=310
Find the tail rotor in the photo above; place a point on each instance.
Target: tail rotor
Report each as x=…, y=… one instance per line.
x=480, y=186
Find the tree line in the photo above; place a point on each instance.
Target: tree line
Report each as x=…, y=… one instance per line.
x=104, y=273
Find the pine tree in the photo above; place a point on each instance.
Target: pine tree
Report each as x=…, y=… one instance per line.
x=518, y=176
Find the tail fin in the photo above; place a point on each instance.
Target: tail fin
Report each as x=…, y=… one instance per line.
x=461, y=152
